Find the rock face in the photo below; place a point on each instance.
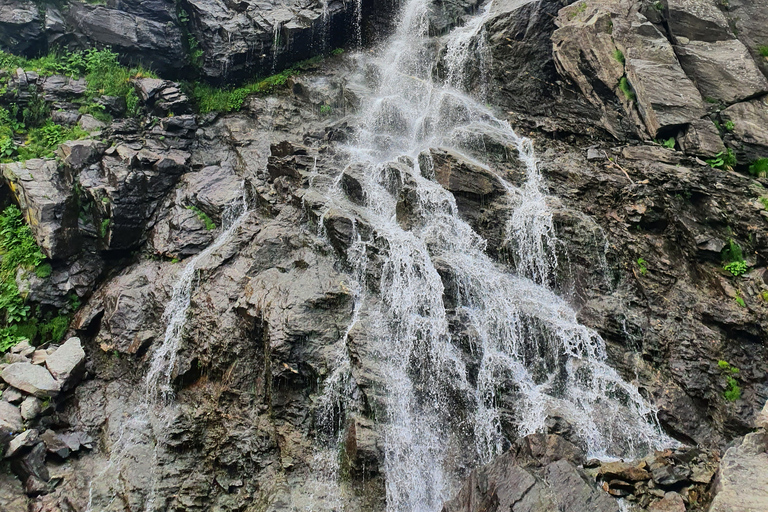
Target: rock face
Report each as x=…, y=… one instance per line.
x=222, y=41
x=742, y=484
x=524, y=480
x=271, y=319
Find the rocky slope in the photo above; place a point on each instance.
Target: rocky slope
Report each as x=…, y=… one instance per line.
x=644, y=232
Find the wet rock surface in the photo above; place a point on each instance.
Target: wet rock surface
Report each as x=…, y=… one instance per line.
x=641, y=230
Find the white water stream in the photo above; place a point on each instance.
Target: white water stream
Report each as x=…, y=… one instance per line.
x=526, y=345
x=153, y=411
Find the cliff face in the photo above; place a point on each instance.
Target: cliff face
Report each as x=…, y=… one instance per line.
x=271, y=395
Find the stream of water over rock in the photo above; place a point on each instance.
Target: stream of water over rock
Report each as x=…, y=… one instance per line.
x=154, y=409
x=523, y=340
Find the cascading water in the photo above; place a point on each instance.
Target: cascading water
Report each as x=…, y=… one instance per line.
x=153, y=410
x=524, y=341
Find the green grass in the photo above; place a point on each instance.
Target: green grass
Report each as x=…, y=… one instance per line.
x=26, y=131
x=19, y=250
x=733, y=390
x=763, y=50
x=759, y=168
x=619, y=56
x=214, y=99
x=625, y=88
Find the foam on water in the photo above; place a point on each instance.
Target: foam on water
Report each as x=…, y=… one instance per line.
x=528, y=358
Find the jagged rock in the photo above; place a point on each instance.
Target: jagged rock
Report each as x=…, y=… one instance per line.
x=750, y=129
x=48, y=203
x=90, y=124
x=12, y=497
x=13, y=395
x=33, y=379
x=623, y=471
x=32, y=464
x=698, y=20
x=722, y=70
x=21, y=27
x=760, y=422
x=701, y=138
x=24, y=440
x=671, y=502
x=459, y=175
x=742, y=483
x=31, y=408
x=54, y=444
x=503, y=485
x=362, y=446
x=351, y=183
x=67, y=363
x=669, y=475
x=136, y=36
x=10, y=421
x=81, y=153
x=23, y=348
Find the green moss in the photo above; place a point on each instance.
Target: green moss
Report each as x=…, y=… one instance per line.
x=763, y=50
x=619, y=56
x=626, y=88
x=104, y=227
x=44, y=271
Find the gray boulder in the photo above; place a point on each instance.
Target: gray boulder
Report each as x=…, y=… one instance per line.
x=701, y=138
x=722, y=70
x=750, y=129
x=24, y=440
x=31, y=408
x=67, y=363
x=49, y=204
x=10, y=418
x=742, y=483
x=698, y=20
x=21, y=27
x=31, y=378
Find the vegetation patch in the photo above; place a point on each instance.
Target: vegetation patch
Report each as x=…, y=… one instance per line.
x=625, y=88
x=733, y=390
x=19, y=251
x=209, y=224
x=763, y=50
x=723, y=160
x=733, y=259
x=643, y=265
x=619, y=56
x=26, y=130
x=214, y=99
x=759, y=168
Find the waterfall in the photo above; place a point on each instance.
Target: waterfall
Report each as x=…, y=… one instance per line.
x=153, y=410
x=525, y=342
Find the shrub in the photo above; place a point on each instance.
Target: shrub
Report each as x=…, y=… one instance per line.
x=723, y=160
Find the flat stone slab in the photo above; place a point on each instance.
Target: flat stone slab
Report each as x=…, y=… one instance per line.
x=67, y=363
x=32, y=379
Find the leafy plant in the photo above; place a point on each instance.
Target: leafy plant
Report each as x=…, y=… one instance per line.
x=209, y=224
x=104, y=227
x=642, y=264
x=736, y=268
x=759, y=168
x=325, y=109
x=728, y=125
x=723, y=160
x=44, y=270
x=733, y=390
